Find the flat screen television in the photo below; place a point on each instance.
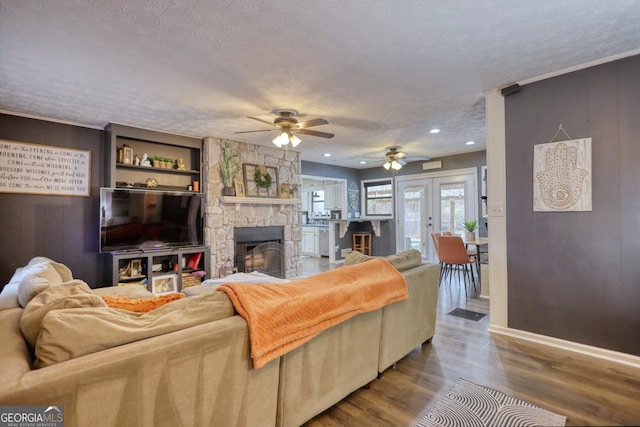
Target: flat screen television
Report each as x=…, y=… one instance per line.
x=132, y=219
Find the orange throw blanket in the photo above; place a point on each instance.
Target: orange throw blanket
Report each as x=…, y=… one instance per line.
x=284, y=316
x=141, y=305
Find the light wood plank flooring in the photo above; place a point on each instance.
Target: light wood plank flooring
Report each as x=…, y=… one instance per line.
x=586, y=391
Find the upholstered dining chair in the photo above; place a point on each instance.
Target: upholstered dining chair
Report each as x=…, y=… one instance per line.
x=435, y=237
x=454, y=256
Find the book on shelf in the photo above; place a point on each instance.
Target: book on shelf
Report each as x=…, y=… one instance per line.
x=194, y=260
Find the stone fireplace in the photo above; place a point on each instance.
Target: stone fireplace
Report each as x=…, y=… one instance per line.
x=223, y=219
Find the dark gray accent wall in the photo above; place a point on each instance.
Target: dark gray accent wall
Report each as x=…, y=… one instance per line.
x=62, y=228
x=575, y=275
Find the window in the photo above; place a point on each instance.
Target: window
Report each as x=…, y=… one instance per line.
x=378, y=198
x=452, y=207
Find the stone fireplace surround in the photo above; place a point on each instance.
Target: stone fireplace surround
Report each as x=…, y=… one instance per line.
x=221, y=218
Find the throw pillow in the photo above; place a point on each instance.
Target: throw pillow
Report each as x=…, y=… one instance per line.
x=39, y=277
x=355, y=257
x=73, y=294
x=141, y=305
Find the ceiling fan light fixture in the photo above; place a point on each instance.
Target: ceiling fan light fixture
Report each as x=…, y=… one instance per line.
x=387, y=165
x=294, y=140
x=395, y=165
x=280, y=140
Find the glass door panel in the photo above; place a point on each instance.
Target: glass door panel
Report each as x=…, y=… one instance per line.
x=413, y=217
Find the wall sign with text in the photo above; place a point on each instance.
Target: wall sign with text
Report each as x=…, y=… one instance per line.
x=44, y=169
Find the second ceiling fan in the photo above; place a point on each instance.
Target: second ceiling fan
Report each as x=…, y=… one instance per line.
x=289, y=126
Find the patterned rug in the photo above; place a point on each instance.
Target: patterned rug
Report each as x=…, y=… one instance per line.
x=469, y=404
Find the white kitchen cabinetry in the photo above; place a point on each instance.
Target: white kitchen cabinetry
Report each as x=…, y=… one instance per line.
x=334, y=195
x=310, y=241
x=329, y=196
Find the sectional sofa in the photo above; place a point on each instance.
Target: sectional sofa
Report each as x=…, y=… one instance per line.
x=189, y=361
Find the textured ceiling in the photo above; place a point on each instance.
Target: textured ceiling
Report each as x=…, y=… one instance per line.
x=381, y=72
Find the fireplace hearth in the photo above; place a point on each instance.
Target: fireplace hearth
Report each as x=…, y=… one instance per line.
x=260, y=249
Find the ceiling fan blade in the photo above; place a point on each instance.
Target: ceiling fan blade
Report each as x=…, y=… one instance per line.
x=315, y=133
x=402, y=162
x=260, y=120
x=400, y=155
x=261, y=130
x=313, y=122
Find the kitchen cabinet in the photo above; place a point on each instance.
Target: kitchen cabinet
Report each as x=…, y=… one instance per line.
x=334, y=196
x=305, y=198
x=310, y=241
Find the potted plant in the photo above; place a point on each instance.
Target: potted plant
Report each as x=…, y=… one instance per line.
x=470, y=228
x=228, y=169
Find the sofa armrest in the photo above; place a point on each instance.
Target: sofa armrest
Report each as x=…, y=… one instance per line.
x=15, y=356
x=196, y=376
x=407, y=324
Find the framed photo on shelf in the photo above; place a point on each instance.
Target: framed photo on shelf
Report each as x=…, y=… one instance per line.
x=127, y=155
x=135, y=268
x=261, y=181
x=164, y=284
x=239, y=185
x=285, y=191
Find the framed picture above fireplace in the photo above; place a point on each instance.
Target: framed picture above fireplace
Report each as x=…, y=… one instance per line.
x=261, y=181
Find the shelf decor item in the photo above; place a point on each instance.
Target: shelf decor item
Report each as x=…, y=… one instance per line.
x=261, y=181
x=127, y=157
x=228, y=169
x=164, y=284
x=285, y=191
x=239, y=185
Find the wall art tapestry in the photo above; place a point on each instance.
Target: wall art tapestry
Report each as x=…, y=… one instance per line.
x=44, y=169
x=562, y=176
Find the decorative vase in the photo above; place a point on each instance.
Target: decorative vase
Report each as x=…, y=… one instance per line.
x=228, y=191
x=470, y=235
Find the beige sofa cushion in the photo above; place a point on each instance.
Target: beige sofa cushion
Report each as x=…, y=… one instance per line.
x=70, y=333
x=40, y=274
x=402, y=261
x=73, y=294
x=127, y=291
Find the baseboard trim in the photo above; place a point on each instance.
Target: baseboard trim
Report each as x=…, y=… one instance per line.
x=587, y=350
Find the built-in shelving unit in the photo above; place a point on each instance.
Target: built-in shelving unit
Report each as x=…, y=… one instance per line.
x=154, y=144
x=143, y=265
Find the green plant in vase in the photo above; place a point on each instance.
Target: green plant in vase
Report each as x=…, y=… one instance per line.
x=228, y=169
x=470, y=228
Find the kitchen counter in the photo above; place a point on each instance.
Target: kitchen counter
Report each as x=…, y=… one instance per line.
x=316, y=225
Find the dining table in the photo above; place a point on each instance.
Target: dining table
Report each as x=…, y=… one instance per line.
x=478, y=241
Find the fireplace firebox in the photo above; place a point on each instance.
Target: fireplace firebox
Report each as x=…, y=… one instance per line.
x=260, y=249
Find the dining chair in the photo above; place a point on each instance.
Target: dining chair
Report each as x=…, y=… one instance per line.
x=455, y=258
x=435, y=237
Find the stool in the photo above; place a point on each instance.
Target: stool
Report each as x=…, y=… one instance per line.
x=362, y=243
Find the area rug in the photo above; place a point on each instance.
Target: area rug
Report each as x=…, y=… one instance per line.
x=469, y=404
x=467, y=314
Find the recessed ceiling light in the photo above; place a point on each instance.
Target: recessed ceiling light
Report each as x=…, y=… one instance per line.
x=470, y=142
x=362, y=162
x=327, y=154
x=434, y=130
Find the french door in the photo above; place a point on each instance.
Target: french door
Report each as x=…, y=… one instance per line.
x=433, y=203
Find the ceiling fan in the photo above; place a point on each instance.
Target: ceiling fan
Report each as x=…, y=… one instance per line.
x=288, y=126
x=395, y=159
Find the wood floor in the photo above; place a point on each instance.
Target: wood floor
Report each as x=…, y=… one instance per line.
x=585, y=390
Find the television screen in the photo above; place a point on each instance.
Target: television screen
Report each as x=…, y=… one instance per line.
x=146, y=220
